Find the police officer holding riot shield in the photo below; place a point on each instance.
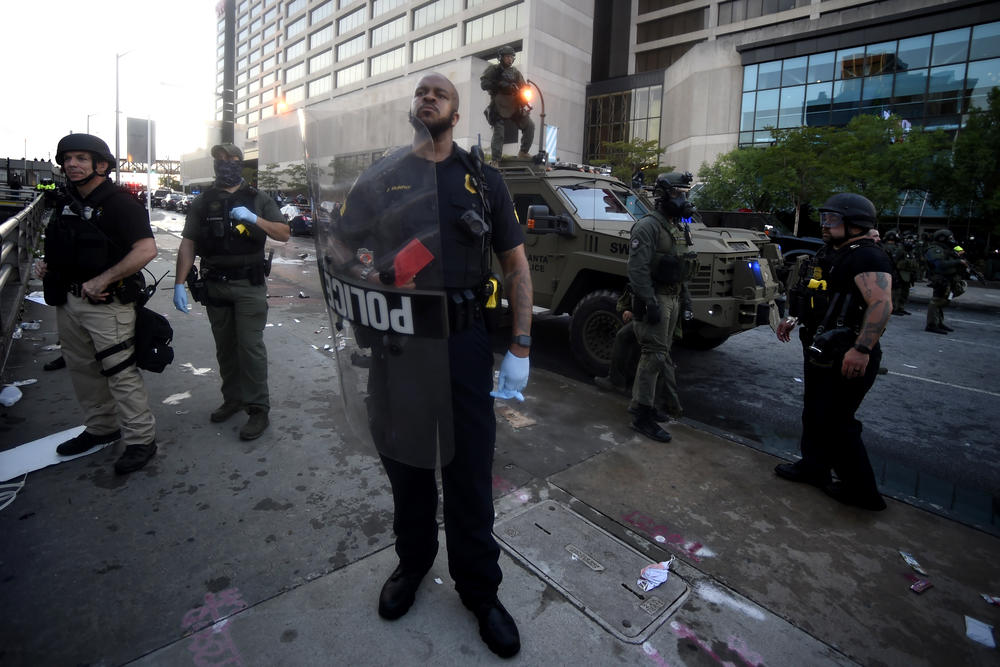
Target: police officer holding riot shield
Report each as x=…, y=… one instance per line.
x=228, y=226
x=420, y=227
x=660, y=261
x=843, y=301
x=96, y=245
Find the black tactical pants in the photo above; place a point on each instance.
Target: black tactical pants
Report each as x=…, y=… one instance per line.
x=467, y=481
x=831, y=436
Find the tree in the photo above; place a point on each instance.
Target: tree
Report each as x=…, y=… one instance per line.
x=294, y=178
x=733, y=182
x=171, y=182
x=969, y=182
x=626, y=156
x=269, y=178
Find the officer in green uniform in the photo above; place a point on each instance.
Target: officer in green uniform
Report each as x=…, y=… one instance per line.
x=503, y=82
x=659, y=262
x=96, y=245
x=945, y=269
x=905, y=266
x=227, y=226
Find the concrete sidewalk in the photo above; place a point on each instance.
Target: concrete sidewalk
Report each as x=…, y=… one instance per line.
x=272, y=552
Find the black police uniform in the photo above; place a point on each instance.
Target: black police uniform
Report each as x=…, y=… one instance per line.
x=85, y=238
x=831, y=435
x=467, y=479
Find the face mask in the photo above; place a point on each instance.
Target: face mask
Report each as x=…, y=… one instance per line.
x=228, y=173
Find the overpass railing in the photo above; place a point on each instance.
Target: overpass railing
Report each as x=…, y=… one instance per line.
x=21, y=234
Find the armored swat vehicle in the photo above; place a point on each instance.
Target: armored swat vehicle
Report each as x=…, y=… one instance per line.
x=577, y=223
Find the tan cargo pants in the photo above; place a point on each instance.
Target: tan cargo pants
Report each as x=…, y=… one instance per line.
x=116, y=401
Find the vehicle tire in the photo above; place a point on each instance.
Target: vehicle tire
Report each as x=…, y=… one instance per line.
x=698, y=337
x=592, y=330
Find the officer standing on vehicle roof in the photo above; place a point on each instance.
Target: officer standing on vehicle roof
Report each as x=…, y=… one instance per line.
x=842, y=300
x=504, y=84
x=660, y=260
x=945, y=268
x=457, y=213
x=96, y=245
x=228, y=226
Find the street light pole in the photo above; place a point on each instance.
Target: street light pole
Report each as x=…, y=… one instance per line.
x=541, y=134
x=118, y=57
x=89, y=116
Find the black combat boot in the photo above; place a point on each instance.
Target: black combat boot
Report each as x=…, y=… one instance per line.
x=645, y=423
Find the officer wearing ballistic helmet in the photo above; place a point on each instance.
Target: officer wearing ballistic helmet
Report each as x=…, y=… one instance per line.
x=96, y=245
x=946, y=269
x=504, y=84
x=842, y=300
x=228, y=226
x=660, y=261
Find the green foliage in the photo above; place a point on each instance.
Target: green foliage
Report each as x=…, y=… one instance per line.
x=969, y=183
x=170, y=182
x=803, y=166
x=269, y=178
x=625, y=156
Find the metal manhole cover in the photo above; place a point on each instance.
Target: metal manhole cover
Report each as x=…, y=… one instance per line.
x=593, y=569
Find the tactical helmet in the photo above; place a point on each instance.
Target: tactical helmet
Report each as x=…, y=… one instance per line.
x=222, y=151
x=891, y=235
x=943, y=236
x=505, y=51
x=854, y=209
x=672, y=179
x=84, y=142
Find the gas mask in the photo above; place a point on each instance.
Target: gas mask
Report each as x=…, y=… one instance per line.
x=228, y=173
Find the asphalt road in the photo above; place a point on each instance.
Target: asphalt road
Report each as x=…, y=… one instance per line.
x=927, y=422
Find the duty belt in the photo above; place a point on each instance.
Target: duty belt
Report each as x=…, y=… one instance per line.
x=225, y=275
x=76, y=289
x=464, y=309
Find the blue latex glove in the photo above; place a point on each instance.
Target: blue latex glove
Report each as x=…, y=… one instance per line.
x=513, y=377
x=181, y=298
x=243, y=214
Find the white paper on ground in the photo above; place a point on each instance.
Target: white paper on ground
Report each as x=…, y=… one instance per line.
x=37, y=297
x=39, y=454
x=980, y=632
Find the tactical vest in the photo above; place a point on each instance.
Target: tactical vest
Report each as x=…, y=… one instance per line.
x=942, y=262
x=673, y=261
x=219, y=234
x=75, y=245
x=813, y=300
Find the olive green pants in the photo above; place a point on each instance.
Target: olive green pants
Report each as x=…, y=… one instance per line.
x=938, y=302
x=524, y=123
x=655, y=382
x=237, y=311
x=112, y=402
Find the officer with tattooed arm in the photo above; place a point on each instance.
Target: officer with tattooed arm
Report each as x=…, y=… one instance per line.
x=842, y=300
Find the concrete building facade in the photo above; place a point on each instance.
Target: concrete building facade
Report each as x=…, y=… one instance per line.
x=680, y=72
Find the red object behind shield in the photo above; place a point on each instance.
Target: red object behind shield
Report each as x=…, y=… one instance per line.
x=410, y=260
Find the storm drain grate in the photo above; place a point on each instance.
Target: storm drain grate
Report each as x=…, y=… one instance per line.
x=594, y=570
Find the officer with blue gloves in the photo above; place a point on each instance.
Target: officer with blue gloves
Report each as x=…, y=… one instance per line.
x=472, y=219
x=228, y=226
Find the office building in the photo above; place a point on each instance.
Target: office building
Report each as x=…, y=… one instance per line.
x=699, y=76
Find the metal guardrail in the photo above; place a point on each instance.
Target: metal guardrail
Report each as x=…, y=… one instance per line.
x=21, y=235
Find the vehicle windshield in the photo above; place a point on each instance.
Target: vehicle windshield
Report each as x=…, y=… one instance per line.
x=604, y=204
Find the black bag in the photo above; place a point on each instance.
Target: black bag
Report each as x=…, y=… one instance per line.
x=153, y=335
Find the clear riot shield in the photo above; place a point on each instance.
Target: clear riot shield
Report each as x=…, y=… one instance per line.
x=378, y=247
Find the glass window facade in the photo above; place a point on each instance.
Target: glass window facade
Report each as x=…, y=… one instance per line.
x=495, y=23
x=630, y=114
x=353, y=20
x=320, y=62
x=380, y=7
x=321, y=36
x=351, y=47
x=389, y=61
x=436, y=44
x=928, y=80
x=434, y=12
x=321, y=85
x=389, y=31
x=347, y=76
